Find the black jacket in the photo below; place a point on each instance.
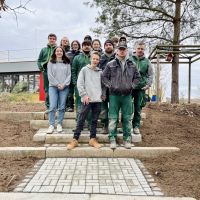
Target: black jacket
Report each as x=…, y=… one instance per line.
x=71, y=54
x=118, y=81
x=104, y=60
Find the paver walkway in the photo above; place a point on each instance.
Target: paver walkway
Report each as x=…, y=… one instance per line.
x=91, y=176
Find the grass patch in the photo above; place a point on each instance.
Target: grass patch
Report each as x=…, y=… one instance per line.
x=26, y=97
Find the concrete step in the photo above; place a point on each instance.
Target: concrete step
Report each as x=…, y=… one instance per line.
x=64, y=196
x=27, y=116
x=85, y=151
x=67, y=123
x=67, y=135
x=72, y=115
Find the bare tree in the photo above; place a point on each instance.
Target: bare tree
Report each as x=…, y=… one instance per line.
x=157, y=21
x=19, y=9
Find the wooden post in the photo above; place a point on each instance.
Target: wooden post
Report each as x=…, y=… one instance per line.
x=34, y=81
x=189, y=80
x=158, y=79
x=28, y=81
x=3, y=83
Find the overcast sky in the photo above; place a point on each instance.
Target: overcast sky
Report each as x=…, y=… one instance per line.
x=64, y=18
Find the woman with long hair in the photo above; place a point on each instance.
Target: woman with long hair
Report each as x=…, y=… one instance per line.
x=59, y=75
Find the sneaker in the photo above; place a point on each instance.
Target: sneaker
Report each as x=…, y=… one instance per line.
x=46, y=111
x=94, y=143
x=127, y=144
x=70, y=110
x=136, y=130
x=50, y=129
x=72, y=144
x=113, y=144
x=59, y=128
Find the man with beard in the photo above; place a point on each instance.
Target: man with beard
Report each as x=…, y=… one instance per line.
x=43, y=59
x=79, y=62
x=145, y=69
x=75, y=50
x=105, y=58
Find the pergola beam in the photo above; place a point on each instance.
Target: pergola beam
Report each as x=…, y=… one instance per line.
x=156, y=57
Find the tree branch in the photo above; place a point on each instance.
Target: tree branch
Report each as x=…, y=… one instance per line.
x=140, y=36
x=146, y=8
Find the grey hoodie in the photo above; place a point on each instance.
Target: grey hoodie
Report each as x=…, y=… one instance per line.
x=89, y=83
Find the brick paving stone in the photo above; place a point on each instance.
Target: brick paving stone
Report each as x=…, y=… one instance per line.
x=91, y=175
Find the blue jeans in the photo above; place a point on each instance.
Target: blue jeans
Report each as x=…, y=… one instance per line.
x=57, y=99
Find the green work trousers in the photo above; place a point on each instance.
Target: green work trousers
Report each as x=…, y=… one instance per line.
x=138, y=98
x=117, y=102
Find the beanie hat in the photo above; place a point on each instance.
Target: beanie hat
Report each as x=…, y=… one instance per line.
x=108, y=41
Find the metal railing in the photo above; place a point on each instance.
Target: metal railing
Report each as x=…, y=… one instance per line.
x=19, y=55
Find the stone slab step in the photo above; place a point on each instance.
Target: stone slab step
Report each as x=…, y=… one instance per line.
x=67, y=123
x=56, y=196
x=84, y=151
x=37, y=124
x=21, y=152
x=27, y=116
x=120, y=152
x=67, y=135
x=21, y=116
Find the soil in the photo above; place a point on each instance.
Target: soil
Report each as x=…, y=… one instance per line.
x=177, y=174
x=17, y=134
x=13, y=170
x=13, y=134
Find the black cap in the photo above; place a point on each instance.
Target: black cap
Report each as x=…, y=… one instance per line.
x=108, y=41
x=122, y=45
x=86, y=42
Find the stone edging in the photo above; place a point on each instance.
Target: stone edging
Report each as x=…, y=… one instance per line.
x=84, y=151
x=49, y=196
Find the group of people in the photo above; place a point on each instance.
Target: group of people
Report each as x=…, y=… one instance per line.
x=103, y=82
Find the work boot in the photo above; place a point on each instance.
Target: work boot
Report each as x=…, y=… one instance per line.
x=104, y=130
x=50, y=129
x=127, y=144
x=94, y=143
x=136, y=130
x=113, y=144
x=72, y=144
x=59, y=128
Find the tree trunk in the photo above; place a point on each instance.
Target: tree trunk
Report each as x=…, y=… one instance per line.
x=175, y=61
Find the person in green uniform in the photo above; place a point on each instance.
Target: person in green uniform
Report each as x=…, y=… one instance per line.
x=43, y=59
x=145, y=69
x=120, y=76
x=106, y=57
x=78, y=63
